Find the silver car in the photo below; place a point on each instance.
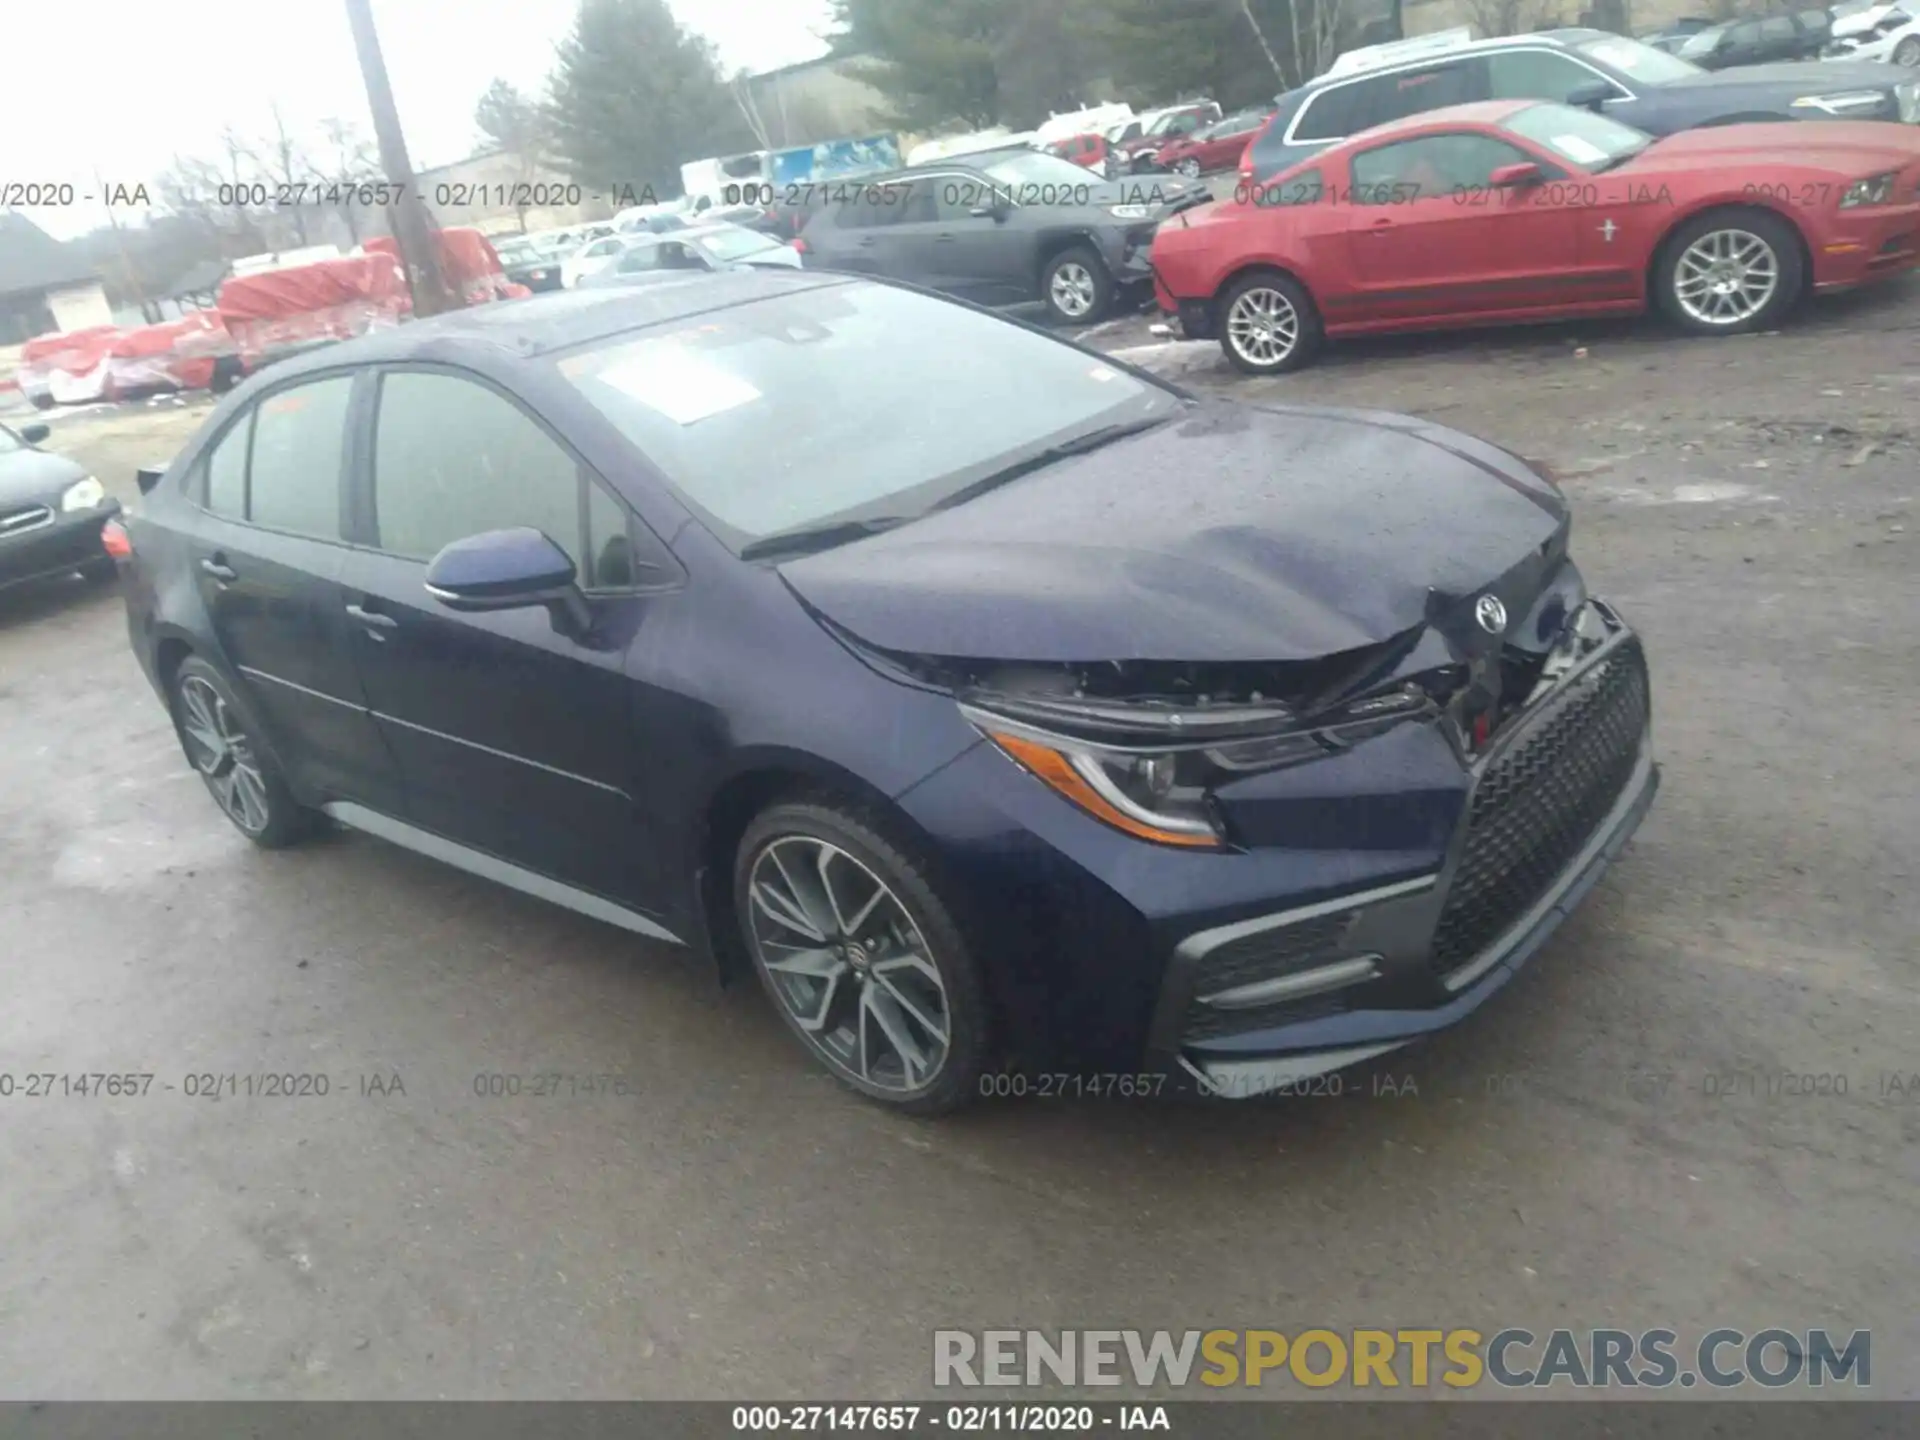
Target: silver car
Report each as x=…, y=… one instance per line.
x=704, y=247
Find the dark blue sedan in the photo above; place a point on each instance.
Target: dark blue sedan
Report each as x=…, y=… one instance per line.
x=999, y=705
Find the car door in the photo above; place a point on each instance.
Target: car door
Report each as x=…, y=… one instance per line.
x=973, y=256
x=513, y=729
x=1429, y=236
x=266, y=559
x=859, y=233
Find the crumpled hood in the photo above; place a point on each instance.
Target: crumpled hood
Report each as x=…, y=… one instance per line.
x=29, y=476
x=1239, y=533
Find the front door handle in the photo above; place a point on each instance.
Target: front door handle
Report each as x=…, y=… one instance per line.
x=220, y=571
x=943, y=239
x=866, y=241
x=373, y=620
x=1380, y=226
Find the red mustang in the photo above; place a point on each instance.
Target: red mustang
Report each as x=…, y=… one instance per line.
x=1508, y=211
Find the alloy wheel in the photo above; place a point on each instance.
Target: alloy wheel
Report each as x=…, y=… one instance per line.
x=1073, y=290
x=1907, y=52
x=1189, y=168
x=1726, y=277
x=849, y=964
x=1263, y=326
x=219, y=748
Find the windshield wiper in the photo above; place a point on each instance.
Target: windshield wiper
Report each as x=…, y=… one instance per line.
x=825, y=536
x=1052, y=455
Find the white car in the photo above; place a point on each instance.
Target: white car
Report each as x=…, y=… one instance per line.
x=708, y=247
x=1882, y=32
x=591, y=259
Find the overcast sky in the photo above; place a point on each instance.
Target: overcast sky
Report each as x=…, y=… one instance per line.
x=122, y=85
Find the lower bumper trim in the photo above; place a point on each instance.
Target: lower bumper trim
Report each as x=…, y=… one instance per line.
x=1242, y=1079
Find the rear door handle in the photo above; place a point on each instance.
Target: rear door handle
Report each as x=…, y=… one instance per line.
x=943, y=239
x=220, y=571
x=866, y=240
x=373, y=620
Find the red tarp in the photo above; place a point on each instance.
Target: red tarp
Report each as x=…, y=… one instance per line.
x=328, y=300
x=68, y=368
x=471, y=264
x=179, y=354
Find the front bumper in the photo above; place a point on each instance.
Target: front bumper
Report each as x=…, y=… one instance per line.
x=1869, y=244
x=56, y=545
x=1264, y=1004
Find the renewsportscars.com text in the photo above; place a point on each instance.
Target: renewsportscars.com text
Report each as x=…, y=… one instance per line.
x=1460, y=1359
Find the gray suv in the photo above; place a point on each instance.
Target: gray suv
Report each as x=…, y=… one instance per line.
x=1004, y=227
x=1623, y=78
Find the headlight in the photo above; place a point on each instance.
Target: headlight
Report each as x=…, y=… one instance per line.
x=1845, y=102
x=1130, y=212
x=1158, y=786
x=83, y=494
x=1874, y=190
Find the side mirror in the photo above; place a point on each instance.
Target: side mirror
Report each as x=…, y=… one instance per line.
x=148, y=476
x=34, y=434
x=996, y=210
x=507, y=570
x=1590, y=96
x=1516, y=176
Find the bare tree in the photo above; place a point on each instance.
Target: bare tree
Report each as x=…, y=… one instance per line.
x=1246, y=9
x=1492, y=18
x=749, y=103
x=225, y=192
x=1316, y=30
x=287, y=171
x=347, y=162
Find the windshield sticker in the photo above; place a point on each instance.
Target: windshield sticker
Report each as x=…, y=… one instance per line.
x=1103, y=372
x=1579, y=148
x=682, y=385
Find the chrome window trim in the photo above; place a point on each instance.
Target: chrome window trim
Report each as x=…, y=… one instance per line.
x=1432, y=62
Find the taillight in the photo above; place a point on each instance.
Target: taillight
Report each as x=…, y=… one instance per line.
x=799, y=242
x=114, y=540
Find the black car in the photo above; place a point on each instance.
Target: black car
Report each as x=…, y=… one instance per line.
x=51, y=511
x=531, y=264
x=1759, y=40
x=1673, y=36
x=1632, y=82
x=1006, y=227
x=1025, y=710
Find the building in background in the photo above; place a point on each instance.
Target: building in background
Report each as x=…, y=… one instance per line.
x=44, y=286
x=816, y=100
x=500, y=193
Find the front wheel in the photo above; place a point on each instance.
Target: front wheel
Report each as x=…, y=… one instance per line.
x=1729, y=272
x=1907, y=52
x=1189, y=169
x=861, y=956
x=1076, y=287
x=1268, y=324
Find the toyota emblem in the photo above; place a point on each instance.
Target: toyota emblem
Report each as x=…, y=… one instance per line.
x=1491, y=614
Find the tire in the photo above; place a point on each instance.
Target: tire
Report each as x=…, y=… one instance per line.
x=1188, y=169
x=859, y=1008
x=1081, y=274
x=1286, y=306
x=1907, y=52
x=1745, y=242
x=258, y=803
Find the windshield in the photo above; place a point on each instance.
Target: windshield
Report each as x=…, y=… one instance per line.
x=747, y=411
x=1639, y=62
x=1702, y=42
x=1592, y=142
x=1030, y=167
x=735, y=244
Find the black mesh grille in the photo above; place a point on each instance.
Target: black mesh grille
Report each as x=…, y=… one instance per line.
x=1540, y=801
x=1261, y=956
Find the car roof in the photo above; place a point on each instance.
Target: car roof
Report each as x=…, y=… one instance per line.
x=560, y=319
x=1565, y=37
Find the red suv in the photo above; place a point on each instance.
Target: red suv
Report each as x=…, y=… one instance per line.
x=1136, y=145
x=1090, y=150
x=1217, y=147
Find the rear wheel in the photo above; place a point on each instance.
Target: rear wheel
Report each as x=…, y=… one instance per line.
x=861, y=956
x=242, y=778
x=1076, y=287
x=1729, y=271
x=1907, y=52
x=1268, y=324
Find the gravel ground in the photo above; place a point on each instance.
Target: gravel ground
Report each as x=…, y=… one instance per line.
x=1611, y=1142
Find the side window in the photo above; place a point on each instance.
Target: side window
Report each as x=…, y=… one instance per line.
x=451, y=459
x=1777, y=27
x=954, y=200
x=1306, y=188
x=299, y=438
x=1183, y=124
x=610, y=558
x=1414, y=92
x=1434, y=165
x=1337, y=113
x=227, y=470
x=1535, y=75
x=1742, y=36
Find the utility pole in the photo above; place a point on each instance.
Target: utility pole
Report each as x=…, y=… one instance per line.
x=413, y=227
